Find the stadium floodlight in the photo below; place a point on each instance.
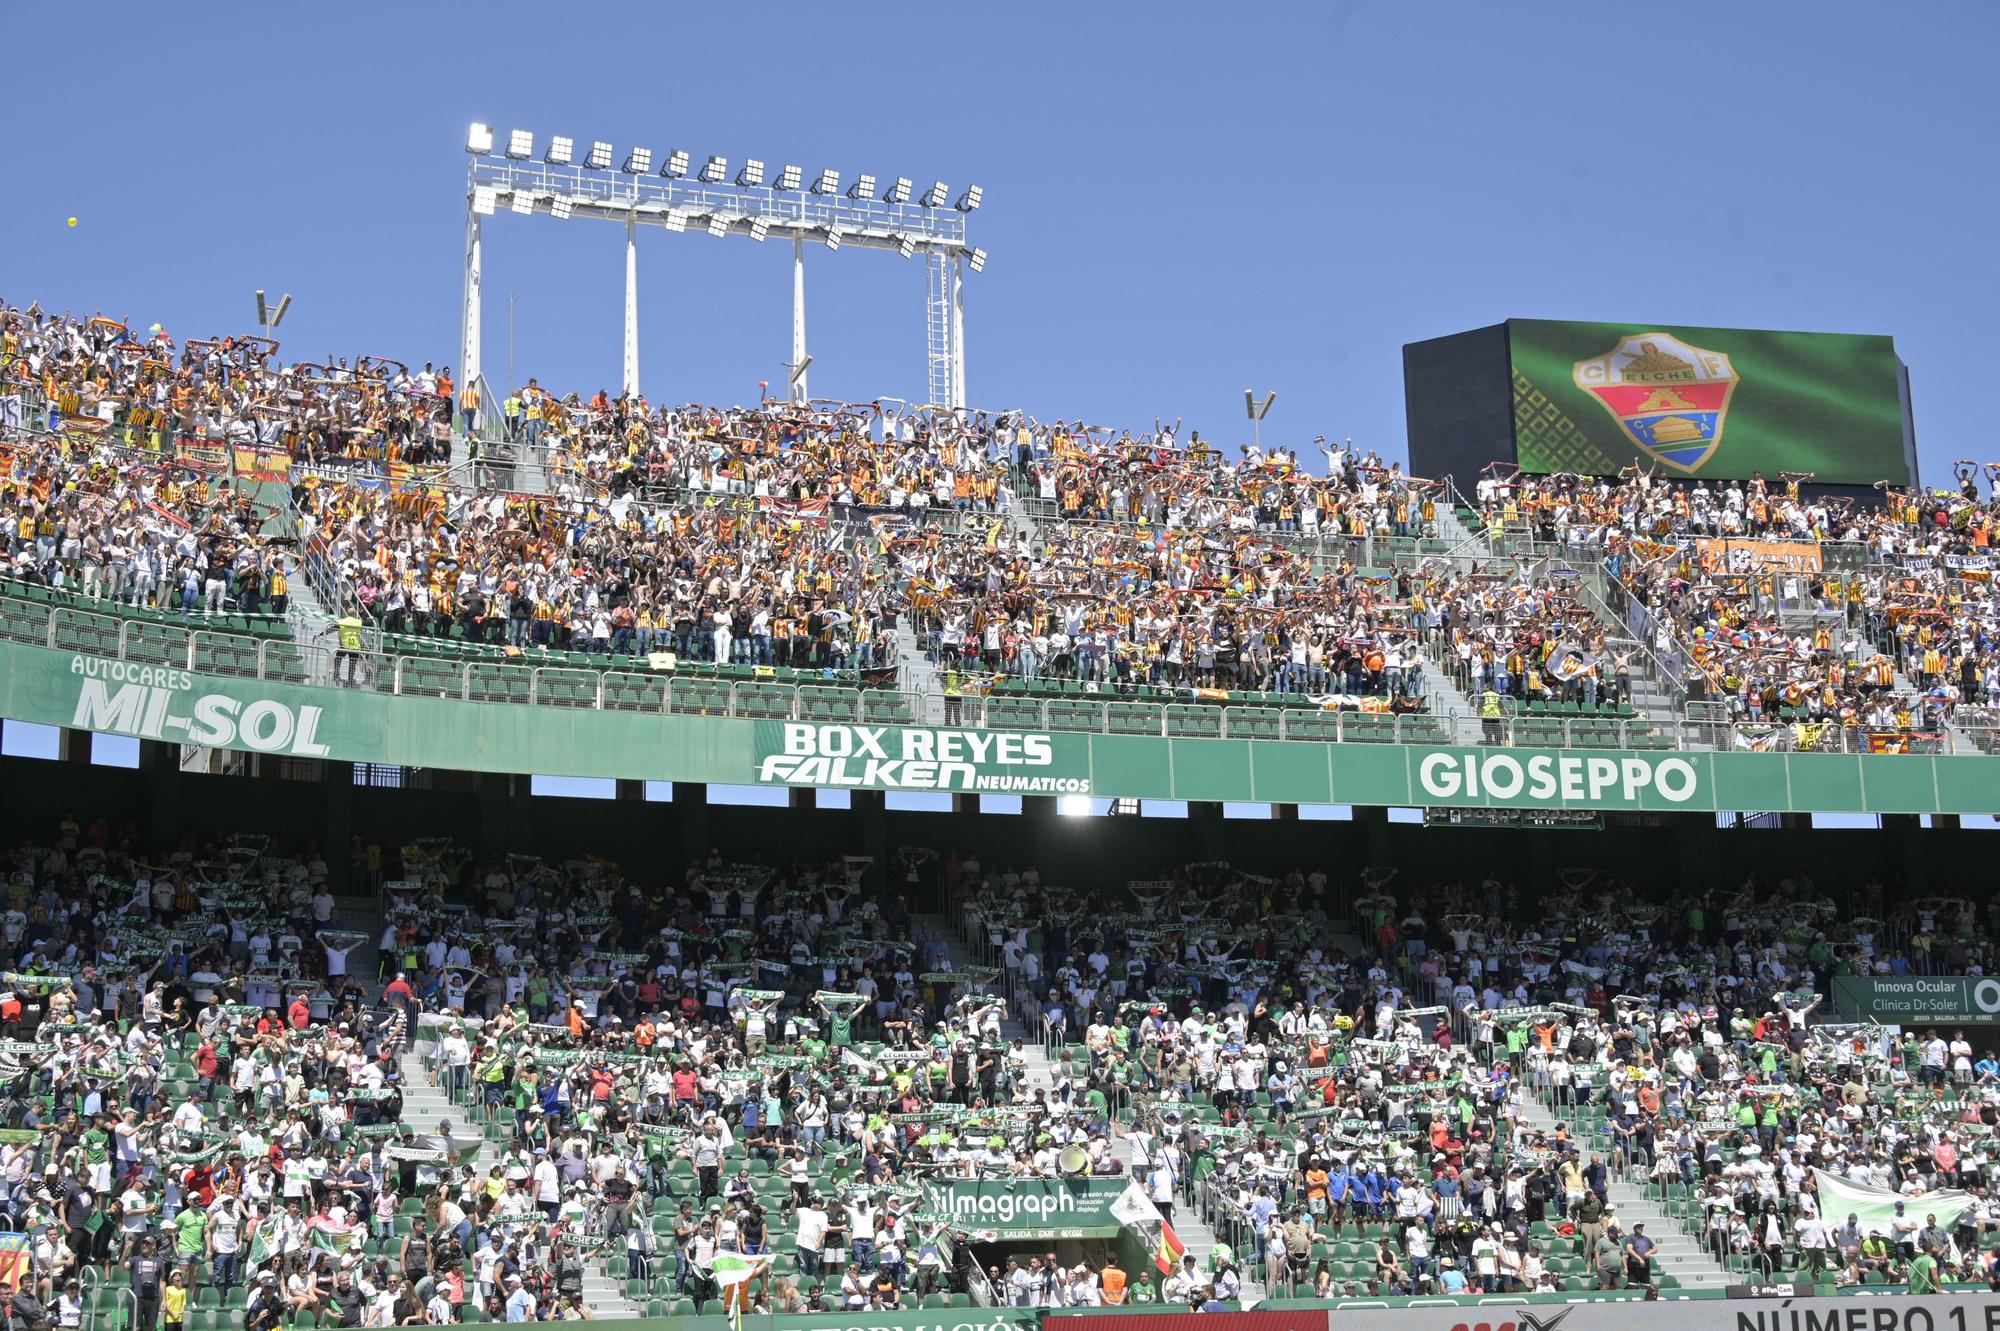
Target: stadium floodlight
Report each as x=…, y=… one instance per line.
x=520, y=145
x=752, y=174
x=715, y=170
x=560, y=148
x=562, y=207
x=676, y=220
x=718, y=225
x=677, y=164
x=969, y=201
x=268, y=318
x=1258, y=411
x=976, y=261
x=906, y=245
x=833, y=238
x=639, y=162
x=934, y=197
x=524, y=203
x=479, y=140
x=828, y=183
x=600, y=156
x=863, y=189
x=759, y=228
x=790, y=177
x=484, y=197
x=898, y=192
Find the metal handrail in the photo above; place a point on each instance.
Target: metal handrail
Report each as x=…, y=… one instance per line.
x=594, y=688
x=610, y=689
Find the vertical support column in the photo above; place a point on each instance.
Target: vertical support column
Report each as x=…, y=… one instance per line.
x=797, y=369
x=691, y=803
x=336, y=793
x=468, y=330
x=161, y=762
x=631, y=307
x=958, y=397
x=1905, y=831
x=1697, y=844
x=871, y=817
x=1211, y=832
x=73, y=746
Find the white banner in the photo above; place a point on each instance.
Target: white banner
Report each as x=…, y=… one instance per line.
x=1875, y=1208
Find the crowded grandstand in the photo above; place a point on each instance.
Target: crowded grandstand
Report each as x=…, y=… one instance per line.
x=436, y=1082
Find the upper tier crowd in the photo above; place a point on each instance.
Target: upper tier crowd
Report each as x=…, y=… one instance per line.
x=1769, y=598
x=797, y=534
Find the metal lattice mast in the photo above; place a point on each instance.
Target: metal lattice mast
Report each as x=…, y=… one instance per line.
x=631, y=375
x=937, y=329
x=469, y=310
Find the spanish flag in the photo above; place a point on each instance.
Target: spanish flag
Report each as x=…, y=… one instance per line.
x=1167, y=1256
x=14, y=1261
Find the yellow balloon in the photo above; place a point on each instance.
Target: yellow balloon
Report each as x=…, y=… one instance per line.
x=72, y=221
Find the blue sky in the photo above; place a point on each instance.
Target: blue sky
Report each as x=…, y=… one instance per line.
x=1181, y=201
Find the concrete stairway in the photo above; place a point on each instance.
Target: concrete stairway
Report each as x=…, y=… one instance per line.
x=362, y=916
x=426, y=1106
x=1959, y=740
x=1451, y=529
x=1655, y=698
x=1456, y=713
x=917, y=677
x=1679, y=1254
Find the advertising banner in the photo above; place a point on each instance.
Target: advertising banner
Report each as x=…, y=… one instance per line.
x=562, y=735
x=1257, y=1319
x=1971, y=1311
x=1595, y=398
x=798, y=753
x=836, y=1319
x=1030, y=1208
x=1917, y=999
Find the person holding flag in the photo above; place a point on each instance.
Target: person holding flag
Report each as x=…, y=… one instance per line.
x=738, y=1279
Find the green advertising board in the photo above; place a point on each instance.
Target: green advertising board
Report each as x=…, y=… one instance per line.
x=963, y=1318
x=1595, y=398
x=1030, y=1208
x=94, y=693
x=1907, y=1000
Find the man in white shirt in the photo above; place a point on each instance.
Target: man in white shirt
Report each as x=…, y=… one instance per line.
x=546, y=1183
x=810, y=1237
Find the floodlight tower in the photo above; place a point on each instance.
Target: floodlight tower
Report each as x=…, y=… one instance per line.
x=721, y=204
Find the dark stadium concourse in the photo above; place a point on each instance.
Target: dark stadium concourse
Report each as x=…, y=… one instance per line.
x=304, y=802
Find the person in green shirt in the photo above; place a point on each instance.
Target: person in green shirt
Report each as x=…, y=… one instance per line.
x=1924, y=1274
x=190, y=1237
x=97, y=1153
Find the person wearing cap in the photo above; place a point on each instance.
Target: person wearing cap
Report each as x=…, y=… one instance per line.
x=1606, y=1257
x=1638, y=1257
x=520, y=1304
x=264, y=1309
